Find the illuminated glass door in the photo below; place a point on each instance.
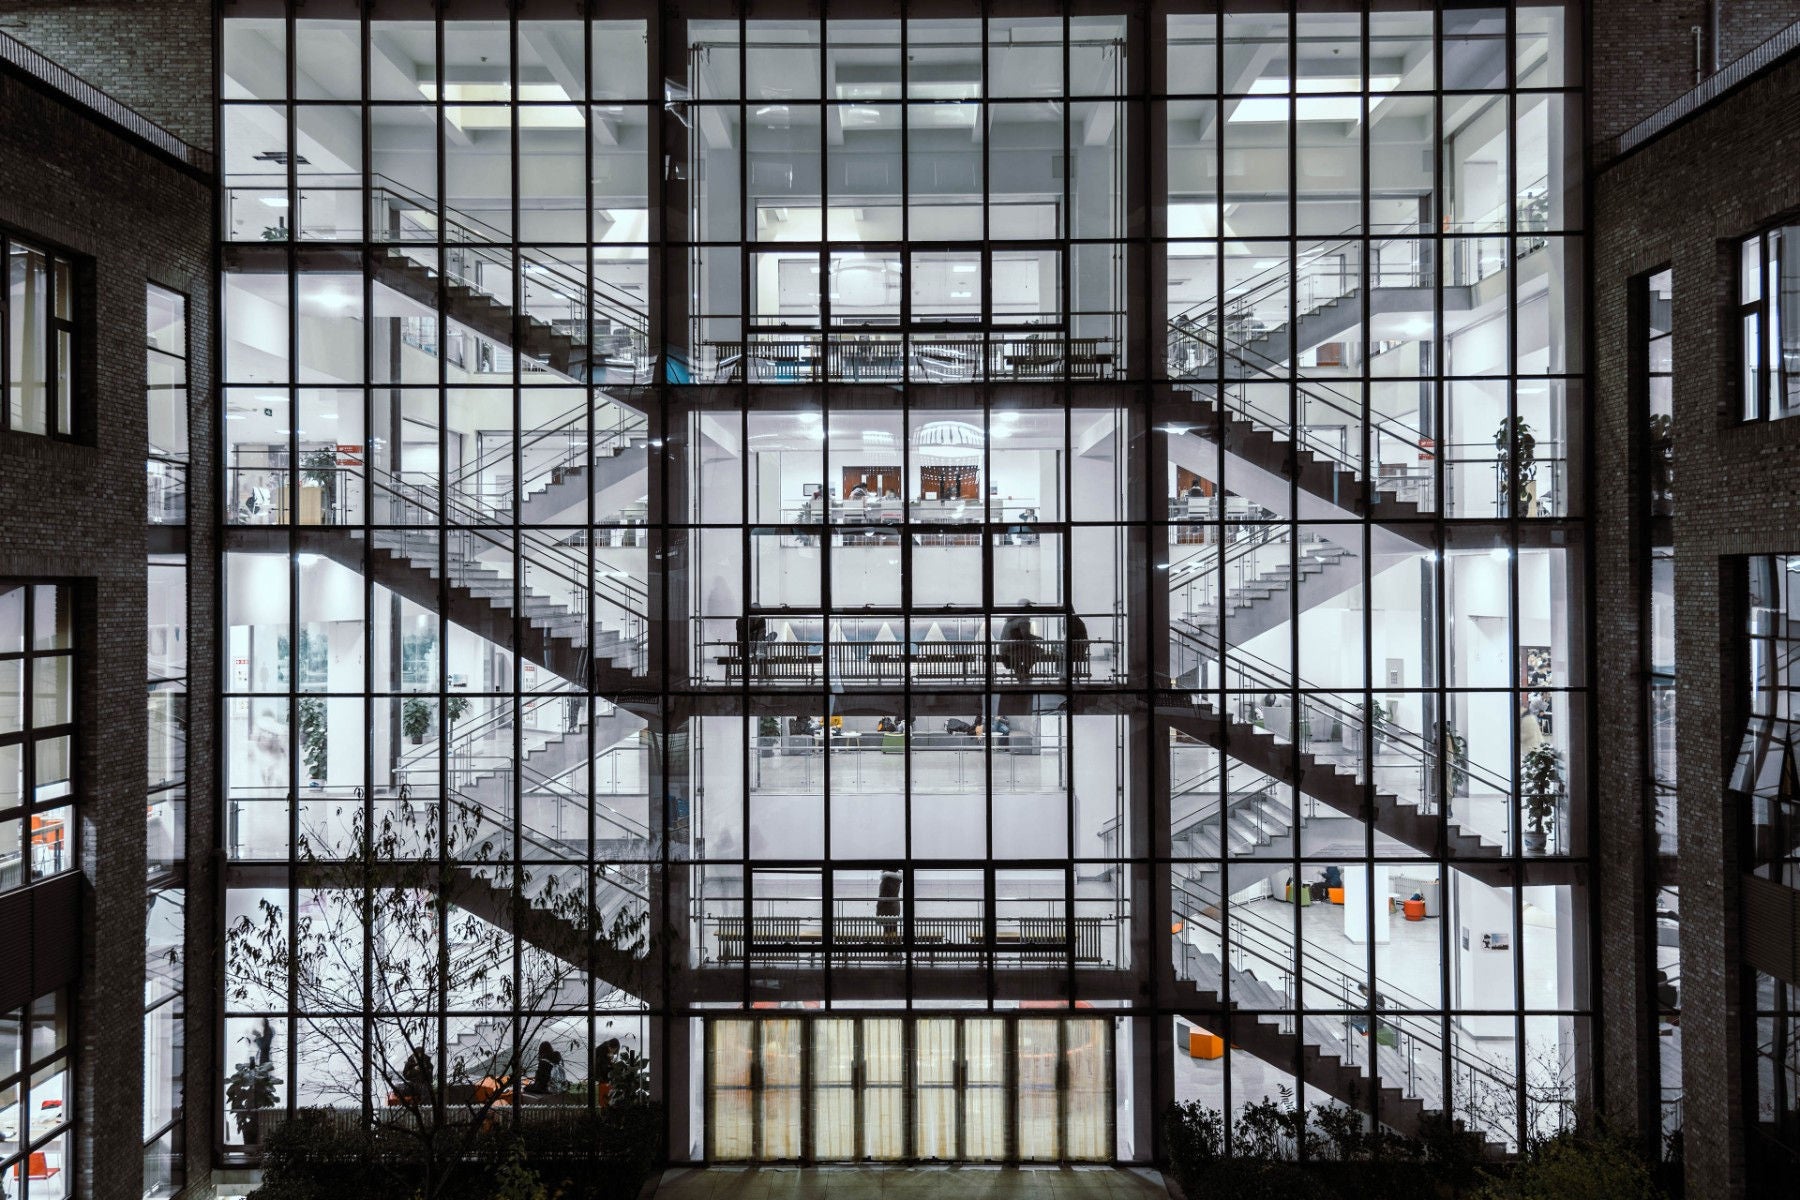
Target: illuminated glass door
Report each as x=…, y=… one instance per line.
x=947, y=1089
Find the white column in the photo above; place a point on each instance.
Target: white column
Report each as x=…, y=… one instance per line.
x=1358, y=896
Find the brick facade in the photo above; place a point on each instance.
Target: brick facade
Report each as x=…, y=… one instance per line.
x=153, y=56
x=78, y=512
x=1681, y=201
x=1644, y=51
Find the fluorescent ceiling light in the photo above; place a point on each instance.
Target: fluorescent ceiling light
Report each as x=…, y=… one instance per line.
x=479, y=93
x=274, y=201
x=1268, y=101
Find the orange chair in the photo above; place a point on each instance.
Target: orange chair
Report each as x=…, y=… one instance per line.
x=37, y=1167
x=1202, y=1044
x=1414, y=910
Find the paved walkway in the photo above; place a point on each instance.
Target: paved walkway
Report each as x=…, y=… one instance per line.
x=910, y=1183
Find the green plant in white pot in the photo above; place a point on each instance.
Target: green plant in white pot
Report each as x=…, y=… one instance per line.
x=1541, y=785
x=415, y=719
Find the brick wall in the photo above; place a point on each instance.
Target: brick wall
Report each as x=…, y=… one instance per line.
x=78, y=511
x=1681, y=201
x=1644, y=51
x=154, y=56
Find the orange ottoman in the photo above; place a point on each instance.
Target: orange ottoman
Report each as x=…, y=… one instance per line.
x=1336, y=895
x=1414, y=910
x=1202, y=1044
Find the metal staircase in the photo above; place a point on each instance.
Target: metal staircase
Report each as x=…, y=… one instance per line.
x=581, y=328
x=1245, y=968
x=1250, y=583
x=514, y=874
x=1335, y=779
x=549, y=484
x=526, y=590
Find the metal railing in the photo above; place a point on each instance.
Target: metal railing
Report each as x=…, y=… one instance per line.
x=1049, y=939
x=921, y=762
x=800, y=357
x=1040, y=661
x=1766, y=55
x=23, y=57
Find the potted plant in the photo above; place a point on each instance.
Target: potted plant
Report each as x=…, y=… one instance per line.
x=1456, y=758
x=1377, y=717
x=1662, y=464
x=312, y=737
x=630, y=1080
x=249, y=1089
x=1541, y=783
x=455, y=709
x=768, y=736
x=415, y=719
x=1515, y=463
x=318, y=468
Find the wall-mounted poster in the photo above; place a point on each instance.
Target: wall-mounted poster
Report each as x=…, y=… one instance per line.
x=1534, y=681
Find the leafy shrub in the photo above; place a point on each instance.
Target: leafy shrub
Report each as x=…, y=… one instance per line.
x=1590, y=1165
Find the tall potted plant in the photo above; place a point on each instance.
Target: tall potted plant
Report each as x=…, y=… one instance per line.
x=249, y=1089
x=1541, y=784
x=1515, y=461
x=312, y=737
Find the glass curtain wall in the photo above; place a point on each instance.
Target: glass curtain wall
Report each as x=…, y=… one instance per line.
x=1370, y=446
x=1656, y=508
x=436, y=579
x=166, y=398
x=1766, y=779
x=37, y=733
x=37, y=1110
x=873, y=451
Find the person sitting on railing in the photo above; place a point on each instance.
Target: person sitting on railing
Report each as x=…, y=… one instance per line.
x=1018, y=649
x=547, y=1077
x=753, y=634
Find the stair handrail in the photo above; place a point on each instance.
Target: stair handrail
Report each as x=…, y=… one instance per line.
x=1277, y=273
x=1316, y=391
x=479, y=516
x=506, y=827
x=633, y=425
x=474, y=225
x=1288, y=964
x=461, y=738
x=1261, y=535
x=531, y=779
x=1272, y=679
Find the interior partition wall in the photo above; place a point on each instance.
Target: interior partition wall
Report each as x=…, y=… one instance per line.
x=944, y=525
